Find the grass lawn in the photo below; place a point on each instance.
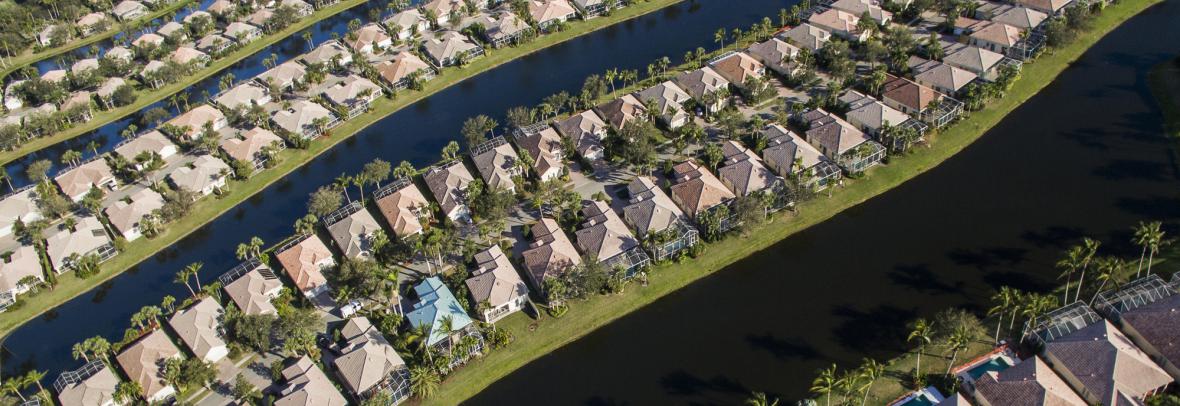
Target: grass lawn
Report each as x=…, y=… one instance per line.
x=1165, y=86
x=290, y=159
x=145, y=97
x=586, y=316
x=29, y=57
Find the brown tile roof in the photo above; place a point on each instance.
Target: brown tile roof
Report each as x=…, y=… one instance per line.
x=603, y=234
x=307, y=385
x=697, y=189
x=909, y=93
x=650, y=210
x=1159, y=325
x=1106, y=363
x=1029, y=383
x=303, y=261
x=551, y=252
x=143, y=363
x=401, y=209
x=401, y=66
x=737, y=67
x=495, y=280
x=621, y=111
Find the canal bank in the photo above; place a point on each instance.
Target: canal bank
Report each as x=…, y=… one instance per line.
x=415, y=134
x=1084, y=156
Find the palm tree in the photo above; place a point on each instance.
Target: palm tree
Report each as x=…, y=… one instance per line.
x=870, y=371
x=182, y=277
x=194, y=269
x=719, y=37
x=13, y=387
x=825, y=383
x=341, y=183
x=920, y=332
x=1090, y=248
x=35, y=378
x=424, y=381
x=1151, y=238
x=1109, y=270
x=127, y=391
x=760, y=399
x=1074, y=258
x=1003, y=300
x=959, y=339
x=80, y=351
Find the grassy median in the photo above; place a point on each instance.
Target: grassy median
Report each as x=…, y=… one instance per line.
x=586, y=316
x=291, y=159
x=145, y=97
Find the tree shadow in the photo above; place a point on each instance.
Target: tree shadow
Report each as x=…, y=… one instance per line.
x=783, y=349
x=1053, y=237
x=919, y=277
x=719, y=389
x=880, y=329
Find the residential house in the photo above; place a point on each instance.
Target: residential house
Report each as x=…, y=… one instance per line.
x=199, y=327
x=368, y=365
x=261, y=17
x=92, y=23
x=129, y=214
x=143, y=362
x=442, y=10
x=550, y=254
x=869, y=114
x=840, y=23
x=738, y=68
x=450, y=48
x=497, y=163
x=92, y=385
x=76, y=182
x=788, y=155
x=328, y=53
x=860, y=7
x=919, y=100
x=128, y=10
x=708, y=88
x=504, y=28
x=305, y=261
x=152, y=142
x=147, y=40
x=222, y=8
x=403, y=206
x=252, y=145
x=370, y=39
x=1029, y=383
x=842, y=142
x=20, y=205
x=591, y=8
x=696, y=190
x=546, y=13
x=776, y=54
x=586, y=130
x=54, y=76
x=242, y=32
x=352, y=229
x=187, y=55
x=545, y=147
x=84, y=66
x=302, y=8
x=448, y=185
x=353, y=93
x=496, y=283
x=942, y=77
x=214, y=43
x=79, y=106
x=981, y=62
x=1152, y=322
x=406, y=24
x=286, y=76
x=1104, y=366
x=305, y=119
x=605, y=237
x=173, y=30
x=23, y=262
x=244, y=95
x=621, y=111
x=197, y=15
x=669, y=99
x=400, y=71
x=650, y=211
x=46, y=37
x=203, y=176
x=253, y=291
x=193, y=122
x=106, y=92
x=1050, y=7
x=119, y=53
x=995, y=37
x=304, y=384
x=1023, y=18
x=435, y=304
x=807, y=36
x=743, y=173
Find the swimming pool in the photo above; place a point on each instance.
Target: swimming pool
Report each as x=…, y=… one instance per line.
x=995, y=364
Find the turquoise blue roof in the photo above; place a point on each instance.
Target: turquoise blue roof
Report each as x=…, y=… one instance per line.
x=435, y=302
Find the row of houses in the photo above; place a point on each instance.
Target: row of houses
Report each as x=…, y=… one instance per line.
x=1119, y=351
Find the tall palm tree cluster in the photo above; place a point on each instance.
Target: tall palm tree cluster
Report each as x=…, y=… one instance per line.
x=850, y=387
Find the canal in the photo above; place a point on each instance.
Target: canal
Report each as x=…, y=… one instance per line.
x=1085, y=157
x=110, y=135
x=416, y=134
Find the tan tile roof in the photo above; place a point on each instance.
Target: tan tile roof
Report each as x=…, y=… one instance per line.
x=244, y=95
x=697, y=190
x=785, y=147
x=241, y=31
x=668, y=97
x=23, y=262
x=974, y=59
x=97, y=390
x=143, y=362
x=603, y=234
x=544, y=11
x=836, y=20
x=1106, y=363
x=448, y=45
x=401, y=66
x=546, y=149
x=859, y=7
x=551, y=252
x=1029, y=383
x=743, y=172
x=650, y=209
x=185, y=55
x=367, y=359
x=369, y=36
x=1021, y=17
x=773, y=52
x=349, y=91
x=152, y=141
x=831, y=133
x=304, y=260
x=88, y=235
x=872, y=112
x=737, y=67
x=326, y=51
x=299, y=118
x=1047, y=6
x=206, y=171
x=448, y=184
x=998, y=33
x=944, y=76
x=77, y=182
x=701, y=81
x=127, y=216
x=252, y=292
x=148, y=39
x=21, y=205
x=352, y=233
x=196, y=118
x=807, y=36
x=401, y=209
x=307, y=385
x=199, y=328
x=249, y=144
x=285, y=75
x=109, y=86
x=494, y=279
x=497, y=166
